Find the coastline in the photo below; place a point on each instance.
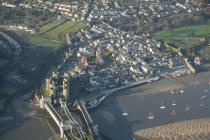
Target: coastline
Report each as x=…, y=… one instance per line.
x=105, y=93
x=156, y=86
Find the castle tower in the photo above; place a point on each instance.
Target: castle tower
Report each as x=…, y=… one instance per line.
x=52, y=88
x=55, y=74
x=99, y=58
x=66, y=88
x=47, y=82
x=66, y=75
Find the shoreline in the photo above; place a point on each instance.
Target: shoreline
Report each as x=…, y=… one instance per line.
x=156, y=86
x=25, y=117
x=106, y=93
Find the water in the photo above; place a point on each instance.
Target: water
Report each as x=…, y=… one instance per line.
x=23, y=122
x=31, y=129
x=113, y=125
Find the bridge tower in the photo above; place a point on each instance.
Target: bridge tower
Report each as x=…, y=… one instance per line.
x=61, y=131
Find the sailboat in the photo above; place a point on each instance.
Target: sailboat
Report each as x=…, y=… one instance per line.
x=187, y=108
x=173, y=103
x=124, y=112
x=162, y=105
x=151, y=116
x=203, y=98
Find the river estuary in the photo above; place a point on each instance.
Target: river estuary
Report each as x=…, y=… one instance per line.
x=138, y=102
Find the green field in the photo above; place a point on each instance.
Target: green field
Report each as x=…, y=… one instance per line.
x=64, y=28
x=52, y=34
x=185, y=37
x=186, y=32
x=49, y=26
x=41, y=41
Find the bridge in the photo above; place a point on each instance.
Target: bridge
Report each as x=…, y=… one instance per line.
x=56, y=117
x=92, y=128
x=74, y=122
x=65, y=121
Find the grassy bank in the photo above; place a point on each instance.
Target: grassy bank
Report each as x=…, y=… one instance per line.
x=41, y=41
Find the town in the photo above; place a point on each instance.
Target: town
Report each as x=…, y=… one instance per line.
x=117, y=45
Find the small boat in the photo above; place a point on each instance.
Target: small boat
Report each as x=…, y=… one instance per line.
x=162, y=105
x=206, y=90
x=173, y=103
x=187, y=108
x=203, y=97
x=181, y=91
x=124, y=112
x=151, y=116
x=173, y=112
x=172, y=92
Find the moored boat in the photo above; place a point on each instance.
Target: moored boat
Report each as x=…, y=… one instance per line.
x=124, y=112
x=151, y=116
x=162, y=106
x=173, y=103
